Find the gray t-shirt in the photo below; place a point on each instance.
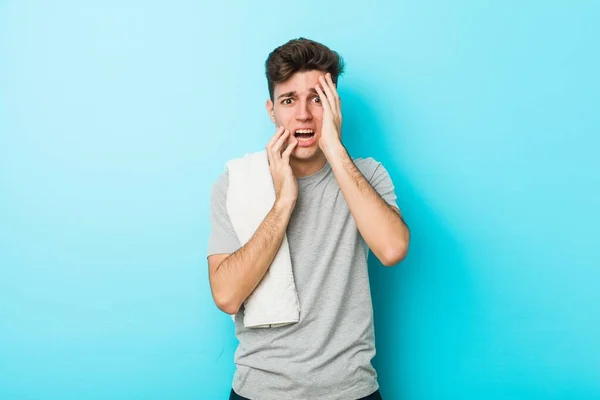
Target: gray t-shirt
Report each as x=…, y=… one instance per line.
x=328, y=353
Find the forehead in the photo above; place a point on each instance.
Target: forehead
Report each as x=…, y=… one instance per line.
x=300, y=82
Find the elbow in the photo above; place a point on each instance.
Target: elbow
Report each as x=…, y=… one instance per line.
x=395, y=254
x=226, y=303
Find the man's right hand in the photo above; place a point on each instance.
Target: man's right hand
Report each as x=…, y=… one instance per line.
x=286, y=185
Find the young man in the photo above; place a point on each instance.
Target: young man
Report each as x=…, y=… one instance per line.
x=333, y=208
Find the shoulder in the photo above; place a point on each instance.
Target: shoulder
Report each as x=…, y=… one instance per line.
x=365, y=162
x=247, y=159
x=221, y=183
x=222, y=180
x=368, y=166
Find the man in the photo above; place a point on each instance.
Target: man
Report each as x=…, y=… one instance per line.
x=333, y=208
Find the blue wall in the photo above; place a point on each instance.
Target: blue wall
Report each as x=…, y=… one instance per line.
x=116, y=119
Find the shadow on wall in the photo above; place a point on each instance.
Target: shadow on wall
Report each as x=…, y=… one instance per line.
x=421, y=306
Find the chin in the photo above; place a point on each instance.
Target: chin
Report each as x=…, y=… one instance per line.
x=306, y=153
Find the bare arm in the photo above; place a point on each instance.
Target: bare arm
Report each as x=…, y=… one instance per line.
x=233, y=277
x=380, y=224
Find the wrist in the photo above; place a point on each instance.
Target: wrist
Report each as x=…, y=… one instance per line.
x=284, y=204
x=334, y=151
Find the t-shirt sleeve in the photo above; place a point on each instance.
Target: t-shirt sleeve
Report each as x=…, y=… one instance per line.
x=222, y=238
x=381, y=181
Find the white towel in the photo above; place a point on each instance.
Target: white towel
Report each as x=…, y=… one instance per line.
x=250, y=197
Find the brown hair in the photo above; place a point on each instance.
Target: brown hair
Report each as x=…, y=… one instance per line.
x=299, y=55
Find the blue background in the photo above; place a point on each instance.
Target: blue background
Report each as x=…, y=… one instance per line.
x=116, y=118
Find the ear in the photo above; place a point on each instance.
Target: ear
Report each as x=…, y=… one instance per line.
x=270, y=110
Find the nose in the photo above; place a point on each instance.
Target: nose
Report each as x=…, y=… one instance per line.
x=303, y=111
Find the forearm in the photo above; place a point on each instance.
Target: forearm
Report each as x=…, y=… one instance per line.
x=239, y=274
x=380, y=225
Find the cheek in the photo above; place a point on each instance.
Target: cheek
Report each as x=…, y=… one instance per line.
x=282, y=116
x=319, y=122
x=317, y=113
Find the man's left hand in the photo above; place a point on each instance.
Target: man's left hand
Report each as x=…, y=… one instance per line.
x=331, y=129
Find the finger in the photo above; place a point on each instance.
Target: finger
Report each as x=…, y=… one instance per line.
x=274, y=138
x=269, y=158
x=272, y=153
x=279, y=144
x=329, y=93
x=288, y=151
x=336, y=96
x=324, y=100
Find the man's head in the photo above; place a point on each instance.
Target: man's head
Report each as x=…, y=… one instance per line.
x=293, y=71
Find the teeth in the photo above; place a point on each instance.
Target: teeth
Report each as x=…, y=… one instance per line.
x=304, y=131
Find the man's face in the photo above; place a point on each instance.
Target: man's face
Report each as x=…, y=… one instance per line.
x=298, y=108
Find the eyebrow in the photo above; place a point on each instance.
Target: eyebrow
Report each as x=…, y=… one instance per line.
x=293, y=93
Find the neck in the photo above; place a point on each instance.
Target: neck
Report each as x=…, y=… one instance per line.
x=302, y=168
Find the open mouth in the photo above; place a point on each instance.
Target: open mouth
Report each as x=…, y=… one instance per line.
x=304, y=135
